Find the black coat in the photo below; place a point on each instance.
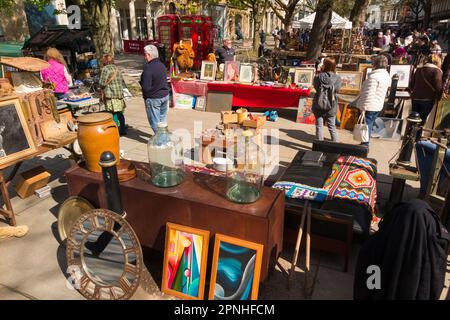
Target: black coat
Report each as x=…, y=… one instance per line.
x=411, y=248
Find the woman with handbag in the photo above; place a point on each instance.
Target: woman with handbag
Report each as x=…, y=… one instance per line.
x=426, y=87
x=112, y=92
x=373, y=92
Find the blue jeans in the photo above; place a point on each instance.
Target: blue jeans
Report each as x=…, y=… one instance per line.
x=156, y=111
x=370, y=120
x=423, y=107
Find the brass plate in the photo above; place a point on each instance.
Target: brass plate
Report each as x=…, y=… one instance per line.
x=104, y=276
x=69, y=212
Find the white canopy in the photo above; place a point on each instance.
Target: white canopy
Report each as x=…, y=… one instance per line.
x=337, y=22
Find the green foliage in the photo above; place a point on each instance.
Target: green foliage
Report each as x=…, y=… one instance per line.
x=7, y=5
x=343, y=7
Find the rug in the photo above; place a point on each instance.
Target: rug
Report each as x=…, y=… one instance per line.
x=353, y=179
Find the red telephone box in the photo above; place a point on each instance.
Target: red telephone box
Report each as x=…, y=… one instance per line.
x=201, y=31
x=168, y=33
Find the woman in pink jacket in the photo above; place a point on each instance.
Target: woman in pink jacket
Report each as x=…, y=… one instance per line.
x=57, y=73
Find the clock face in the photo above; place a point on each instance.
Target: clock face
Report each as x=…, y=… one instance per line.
x=104, y=256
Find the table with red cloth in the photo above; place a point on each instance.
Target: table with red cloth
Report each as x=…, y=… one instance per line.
x=251, y=96
x=260, y=96
x=190, y=87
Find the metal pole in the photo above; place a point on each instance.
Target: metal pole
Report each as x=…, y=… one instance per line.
x=412, y=127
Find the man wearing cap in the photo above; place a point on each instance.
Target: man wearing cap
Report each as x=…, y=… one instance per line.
x=155, y=90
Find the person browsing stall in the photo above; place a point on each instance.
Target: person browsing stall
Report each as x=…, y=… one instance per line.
x=325, y=102
x=226, y=52
x=373, y=92
x=155, y=90
x=56, y=73
x=111, y=82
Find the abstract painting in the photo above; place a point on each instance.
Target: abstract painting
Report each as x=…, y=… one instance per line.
x=15, y=137
x=403, y=71
x=185, y=258
x=236, y=269
x=304, y=112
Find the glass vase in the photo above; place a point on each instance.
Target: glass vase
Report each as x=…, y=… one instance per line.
x=165, y=155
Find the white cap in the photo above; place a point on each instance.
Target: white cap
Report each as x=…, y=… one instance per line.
x=162, y=124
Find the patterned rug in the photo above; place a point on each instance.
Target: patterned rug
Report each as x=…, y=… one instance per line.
x=353, y=179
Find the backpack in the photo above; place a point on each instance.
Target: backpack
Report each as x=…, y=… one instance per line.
x=326, y=98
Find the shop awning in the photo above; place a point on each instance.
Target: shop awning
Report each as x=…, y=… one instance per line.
x=337, y=22
x=10, y=49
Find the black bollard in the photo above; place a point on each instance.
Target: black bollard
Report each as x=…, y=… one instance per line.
x=113, y=198
x=412, y=127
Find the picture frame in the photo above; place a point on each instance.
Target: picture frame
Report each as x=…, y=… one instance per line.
x=200, y=103
x=442, y=119
x=246, y=259
x=246, y=73
x=304, y=111
x=208, y=71
x=16, y=141
x=185, y=259
x=363, y=66
x=404, y=73
x=350, y=80
x=304, y=76
x=231, y=71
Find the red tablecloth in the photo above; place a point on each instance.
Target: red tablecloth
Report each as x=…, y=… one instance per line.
x=260, y=97
x=193, y=88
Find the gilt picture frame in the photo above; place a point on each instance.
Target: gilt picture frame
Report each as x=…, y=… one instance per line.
x=16, y=141
x=185, y=259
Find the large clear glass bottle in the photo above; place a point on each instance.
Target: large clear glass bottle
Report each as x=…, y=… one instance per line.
x=245, y=173
x=165, y=155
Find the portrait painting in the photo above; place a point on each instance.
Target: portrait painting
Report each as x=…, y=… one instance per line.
x=350, y=80
x=304, y=112
x=15, y=137
x=246, y=73
x=231, y=71
x=208, y=71
x=236, y=269
x=304, y=76
x=185, y=258
x=403, y=71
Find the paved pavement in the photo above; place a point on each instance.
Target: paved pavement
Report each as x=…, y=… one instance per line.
x=34, y=267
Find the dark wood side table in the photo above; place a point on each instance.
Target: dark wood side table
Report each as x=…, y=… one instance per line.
x=198, y=202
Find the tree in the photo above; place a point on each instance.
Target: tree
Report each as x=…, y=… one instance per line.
x=415, y=7
x=319, y=29
x=426, y=4
x=358, y=14
x=258, y=11
x=285, y=11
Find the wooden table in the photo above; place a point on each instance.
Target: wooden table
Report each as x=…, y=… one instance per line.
x=198, y=202
x=5, y=181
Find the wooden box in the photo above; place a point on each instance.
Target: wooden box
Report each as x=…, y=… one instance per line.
x=31, y=180
x=258, y=122
x=229, y=117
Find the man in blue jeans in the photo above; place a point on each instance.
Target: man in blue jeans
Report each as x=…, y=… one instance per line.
x=154, y=87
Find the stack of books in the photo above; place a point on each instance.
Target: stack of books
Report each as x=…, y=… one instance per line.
x=43, y=192
x=312, y=159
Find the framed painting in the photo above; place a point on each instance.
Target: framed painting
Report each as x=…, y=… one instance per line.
x=15, y=136
x=350, y=80
x=236, y=269
x=246, y=73
x=185, y=258
x=231, y=72
x=304, y=76
x=362, y=67
x=403, y=71
x=208, y=71
x=442, y=119
x=304, y=112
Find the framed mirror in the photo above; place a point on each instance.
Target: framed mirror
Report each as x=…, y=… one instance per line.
x=104, y=256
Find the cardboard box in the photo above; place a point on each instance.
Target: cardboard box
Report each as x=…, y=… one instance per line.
x=257, y=122
x=229, y=117
x=29, y=181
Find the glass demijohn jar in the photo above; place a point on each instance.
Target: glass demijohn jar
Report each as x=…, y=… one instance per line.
x=245, y=173
x=165, y=154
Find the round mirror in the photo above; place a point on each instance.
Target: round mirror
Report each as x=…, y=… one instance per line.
x=105, y=250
